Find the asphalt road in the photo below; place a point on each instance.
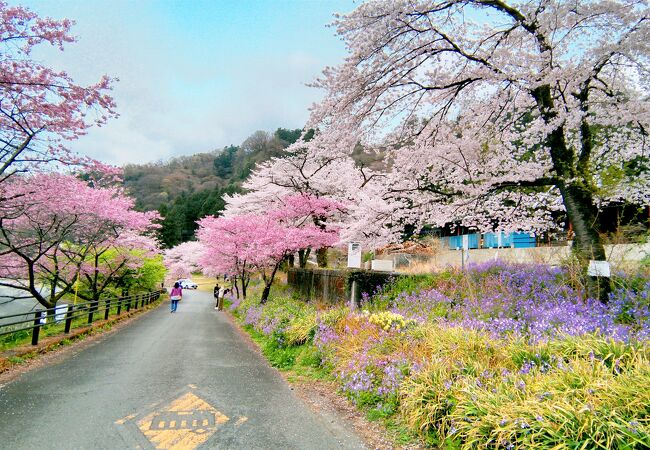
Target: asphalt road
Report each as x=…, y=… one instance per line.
x=184, y=380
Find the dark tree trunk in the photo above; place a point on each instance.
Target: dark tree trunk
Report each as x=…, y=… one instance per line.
x=243, y=288
x=587, y=244
x=235, y=286
x=245, y=279
x=268, y=281
x=265, y=294
x=302, y=257
x=321, y=257
x=576, y=187
x=291, y=260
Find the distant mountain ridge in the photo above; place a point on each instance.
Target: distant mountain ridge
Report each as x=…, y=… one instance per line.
x=187, y=188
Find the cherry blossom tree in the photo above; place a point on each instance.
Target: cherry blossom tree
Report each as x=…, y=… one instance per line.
x=241, y=245
x=54, y=228
x=302, y=210
x=301, y=173
x=184, y=259
x=107, y=263
x=228, y=246
x=494, y=112
x=41, y=108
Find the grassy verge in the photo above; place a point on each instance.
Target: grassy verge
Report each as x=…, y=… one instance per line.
x=496, y=357
x=291, y=349
x=301, y=361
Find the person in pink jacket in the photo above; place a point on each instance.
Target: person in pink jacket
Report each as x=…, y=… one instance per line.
x=176, y=295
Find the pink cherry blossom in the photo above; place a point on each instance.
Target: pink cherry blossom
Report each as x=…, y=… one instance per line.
x=491, y=114
x=41, y=108
x=240, y=245
x=54, y=228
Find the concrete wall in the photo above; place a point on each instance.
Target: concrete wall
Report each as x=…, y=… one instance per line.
x=334, y=286
x=618, y=255
x=319, y=284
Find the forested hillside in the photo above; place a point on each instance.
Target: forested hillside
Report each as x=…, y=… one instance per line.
x=186, y=188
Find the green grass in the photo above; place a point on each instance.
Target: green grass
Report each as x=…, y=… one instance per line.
x=16, y=360
x=302, y=361
x=470, y=390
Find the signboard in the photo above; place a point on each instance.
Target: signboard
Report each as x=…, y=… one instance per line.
x=598, y=269
x=354, y=255
x=384, y=265
x=60, y=311
x=465, y=242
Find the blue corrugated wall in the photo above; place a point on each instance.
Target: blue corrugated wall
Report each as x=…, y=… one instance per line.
x=491, y=240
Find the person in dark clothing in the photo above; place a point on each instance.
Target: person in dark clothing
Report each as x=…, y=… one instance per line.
x=216, y=295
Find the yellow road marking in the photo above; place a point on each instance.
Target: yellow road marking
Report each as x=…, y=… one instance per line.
x=176, y=425
x=241, y=420
x=129, y=417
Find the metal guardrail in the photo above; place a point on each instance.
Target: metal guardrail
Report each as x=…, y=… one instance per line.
x=57, y=315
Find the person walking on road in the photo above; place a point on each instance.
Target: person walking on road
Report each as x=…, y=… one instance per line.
x=222, y=293
x=175, y=296
x=216, y=295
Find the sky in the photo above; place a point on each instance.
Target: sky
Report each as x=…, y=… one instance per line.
x=194, y=75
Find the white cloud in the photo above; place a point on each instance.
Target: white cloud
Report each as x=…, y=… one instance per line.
x=183, y=91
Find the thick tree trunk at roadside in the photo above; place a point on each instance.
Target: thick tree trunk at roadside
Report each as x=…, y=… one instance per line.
x=243, y=288
x=268, y=281
x=587, y=244
x=576, y=187
x=265, y=294
x=321, y=257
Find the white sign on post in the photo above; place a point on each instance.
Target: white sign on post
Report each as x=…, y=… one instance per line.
x=385, y=265
x=465, y=242
x=354, y=255
x=60, y=312
x=598, y=269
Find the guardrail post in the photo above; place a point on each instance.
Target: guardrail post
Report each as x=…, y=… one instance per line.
x=119, y=306
x=90, y=313
x=68, y=319
x=37, y=327
x=142, y=300
x=128, y=304
x=108, y=309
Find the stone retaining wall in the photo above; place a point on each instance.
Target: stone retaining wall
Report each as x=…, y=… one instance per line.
x=335, y=286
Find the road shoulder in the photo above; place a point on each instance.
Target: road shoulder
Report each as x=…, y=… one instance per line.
x=322, y=399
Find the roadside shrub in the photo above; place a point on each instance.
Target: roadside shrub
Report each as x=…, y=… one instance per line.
x=387, y=320
x=578, y=403
x=499, y=356
x=288, y=321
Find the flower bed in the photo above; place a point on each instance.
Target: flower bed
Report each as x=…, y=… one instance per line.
x=500, y=356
